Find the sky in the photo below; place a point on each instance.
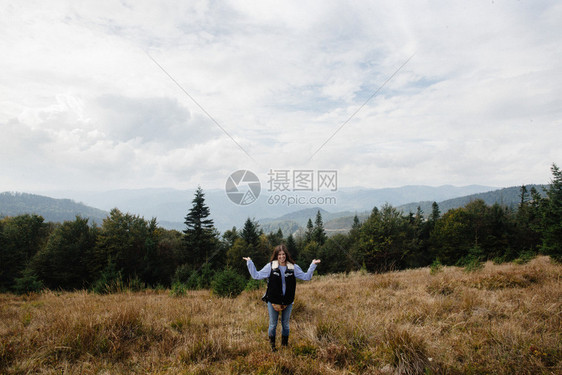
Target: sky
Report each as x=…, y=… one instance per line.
x=101, y=95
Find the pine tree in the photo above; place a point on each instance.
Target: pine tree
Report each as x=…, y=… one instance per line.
x=308, y=235
x=21, y=237
x=250, y=232
x=435, y=213
x=552, y=216
x=229, y=236
x=524, y=196
x=356, y=223
x=526, y=237
x=292, y=246
x=200, y=235
x=275, y=238
x=63, y=263
x=319, y=234
x=279, y=235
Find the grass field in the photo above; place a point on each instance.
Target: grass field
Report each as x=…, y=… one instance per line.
x=501, y=319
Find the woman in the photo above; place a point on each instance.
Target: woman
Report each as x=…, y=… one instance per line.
x=282, y=273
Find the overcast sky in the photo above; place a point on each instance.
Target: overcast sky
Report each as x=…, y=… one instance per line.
x=83, y=106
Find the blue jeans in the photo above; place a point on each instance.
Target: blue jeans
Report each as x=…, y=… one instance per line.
x=274, y=317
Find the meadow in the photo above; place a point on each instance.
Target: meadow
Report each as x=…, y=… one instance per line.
x=499, y=319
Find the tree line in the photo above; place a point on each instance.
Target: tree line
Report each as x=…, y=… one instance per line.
x=128, y=251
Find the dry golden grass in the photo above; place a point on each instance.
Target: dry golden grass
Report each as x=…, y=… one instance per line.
x=502, y=319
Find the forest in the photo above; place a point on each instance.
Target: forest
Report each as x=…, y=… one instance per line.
x=129, y=252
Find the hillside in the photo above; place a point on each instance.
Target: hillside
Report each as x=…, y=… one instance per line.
x=227, y=215
x=509, y=197
x=54, y=210
x=295, y=222
x=502, y=319
x=341, y=221
x=171, y=205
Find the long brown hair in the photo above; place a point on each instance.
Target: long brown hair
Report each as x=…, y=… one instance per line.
x=283, y=248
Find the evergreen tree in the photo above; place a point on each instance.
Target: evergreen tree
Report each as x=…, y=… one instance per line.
x=229, y=236
x=292, y=246
x=356, y=223
x=552, y=216
x=318, y=233
x=234, y=255
x=435, y=213
x=278, y=237
x=170, y=251
x=385, y=240
x=310, y=252
x=262, y=251
x=337, y=250
x=524, y=195
x=250, y=232
x=199, y=236
x=309, y=234
x=526, y=236
x=155, y=267
x=21, y=237
x=63, y=263
x=417, y=255
x=129, y=243
x=275, y=238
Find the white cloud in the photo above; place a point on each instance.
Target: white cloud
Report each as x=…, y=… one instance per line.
x=82, y=105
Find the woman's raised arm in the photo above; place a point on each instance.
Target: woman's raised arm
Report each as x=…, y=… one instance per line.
x=258, y=275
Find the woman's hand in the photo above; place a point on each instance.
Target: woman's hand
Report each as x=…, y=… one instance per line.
x=246, y=258
x=316, y=261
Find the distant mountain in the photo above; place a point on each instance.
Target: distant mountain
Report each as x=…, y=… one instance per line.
x=53, y=210
x=301, y=216
x=353, y=199
x=292, y=222
x=342, y=221
x=170, y=206
x=286, y=226
x=509, y=197
x=334, y=222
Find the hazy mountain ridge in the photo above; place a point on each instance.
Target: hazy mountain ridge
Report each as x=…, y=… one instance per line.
x=510, y=197
x=54, y=210
x=170, y=206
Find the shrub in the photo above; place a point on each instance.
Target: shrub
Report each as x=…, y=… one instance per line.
x=182, y=274
x=435, y=267
x=110, y=280
x=472, y=264
x=28, y=283
x=178, y=289
x=135, y=284
x=105, y=286
x=205, y=277
x=193, y=281
x=525, y=257
x=472, y=261
x=228, y=283
x=253, y=284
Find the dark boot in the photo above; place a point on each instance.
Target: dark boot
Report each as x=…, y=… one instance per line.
x=284, y=340
x=272, y=343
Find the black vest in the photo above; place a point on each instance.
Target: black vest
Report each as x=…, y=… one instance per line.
x=274, y=292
